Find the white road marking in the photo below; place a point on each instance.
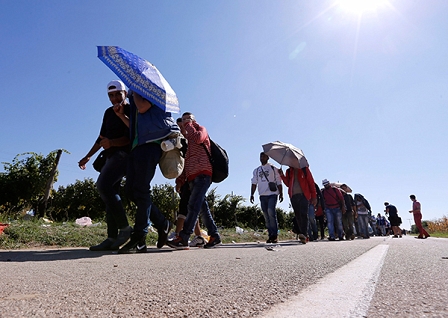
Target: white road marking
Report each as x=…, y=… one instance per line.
x=347, y=292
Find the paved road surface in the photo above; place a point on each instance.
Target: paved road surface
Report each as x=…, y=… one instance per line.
x=379, y=277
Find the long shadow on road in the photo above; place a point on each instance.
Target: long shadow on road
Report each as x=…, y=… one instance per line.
x=57, y=254
x=46, y=255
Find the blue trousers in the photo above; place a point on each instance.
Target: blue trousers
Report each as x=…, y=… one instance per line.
x=142, y=165
x=268, y=203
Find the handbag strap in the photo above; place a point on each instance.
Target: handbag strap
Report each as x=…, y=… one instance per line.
x=261, y=167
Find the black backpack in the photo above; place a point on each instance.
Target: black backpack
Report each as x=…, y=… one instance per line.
x=219, y=160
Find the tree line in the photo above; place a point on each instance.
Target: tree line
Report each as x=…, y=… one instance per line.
x=24, y=182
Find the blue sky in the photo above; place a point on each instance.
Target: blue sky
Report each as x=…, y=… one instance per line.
x=363, y=94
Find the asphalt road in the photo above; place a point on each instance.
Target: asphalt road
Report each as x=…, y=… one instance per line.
x=379, y=277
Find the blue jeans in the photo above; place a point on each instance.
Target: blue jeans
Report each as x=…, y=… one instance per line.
x=373, y=226
x=142, y=165
x=334, y=215
x=300, y=205
x=312, y=226
x=268, y=203
x=363, y=221
x=108, y=185
x=198, y=204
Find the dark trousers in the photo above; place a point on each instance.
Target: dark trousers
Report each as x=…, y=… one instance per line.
x=347, y=223
x=300, y=206
x=321, y=221
x=108, y=185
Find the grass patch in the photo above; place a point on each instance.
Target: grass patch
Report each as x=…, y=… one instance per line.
x=27, y=234
x=21, y=234
x=439, y=234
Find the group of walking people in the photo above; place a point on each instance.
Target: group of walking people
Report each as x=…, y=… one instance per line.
x=345, y=216
x=131, y=135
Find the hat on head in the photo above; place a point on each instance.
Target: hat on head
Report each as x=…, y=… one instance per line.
x=325, y=182
x=115, y=85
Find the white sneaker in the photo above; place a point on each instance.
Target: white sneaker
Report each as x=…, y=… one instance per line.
x=198, y=241
x=172, y=236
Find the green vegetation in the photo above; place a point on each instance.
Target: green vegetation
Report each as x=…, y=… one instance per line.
x=24, y=186
x=22, y=234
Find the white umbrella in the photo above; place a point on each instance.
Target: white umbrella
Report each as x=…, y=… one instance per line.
x=338, y=185
x=286, y=154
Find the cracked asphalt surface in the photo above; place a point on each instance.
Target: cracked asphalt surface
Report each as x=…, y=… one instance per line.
x=235, y=280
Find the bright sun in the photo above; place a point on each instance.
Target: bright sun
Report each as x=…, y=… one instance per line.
x=361, y=6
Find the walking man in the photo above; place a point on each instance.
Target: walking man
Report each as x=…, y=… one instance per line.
x=269, y=183
x=348, y=216
x=114, y=139
x=148, y=125
x=394, y=219
x=335, y=207
x=381, y=222
x=416, y=210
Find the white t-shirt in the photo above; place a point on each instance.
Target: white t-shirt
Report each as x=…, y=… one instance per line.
x=259, y=179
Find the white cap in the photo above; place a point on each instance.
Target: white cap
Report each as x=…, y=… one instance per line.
x=325, y=182
x=115, y=85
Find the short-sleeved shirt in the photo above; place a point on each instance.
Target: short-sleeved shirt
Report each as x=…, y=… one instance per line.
x=113, y=127
x=259, y=178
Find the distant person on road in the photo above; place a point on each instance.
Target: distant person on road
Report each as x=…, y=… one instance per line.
x=372, y=222
x=264, y=177
x=302, y=193
x=313, y=234
x=114, y=139
x=362, y=210
x=381, y=223
x=319, y=212
x=394, y=219
x=348, y=216
x=416, y=210
x=334, y=208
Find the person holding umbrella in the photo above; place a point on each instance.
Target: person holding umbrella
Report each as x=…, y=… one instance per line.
x=302, y=192
x=152, y=100
x=148, y=126
x=114, y=138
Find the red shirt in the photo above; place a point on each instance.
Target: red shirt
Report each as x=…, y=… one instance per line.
x=306, y=182
x=332, y=197
x=196, y=159
x=416, y=207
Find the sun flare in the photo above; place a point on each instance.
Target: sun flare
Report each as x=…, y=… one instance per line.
x=361, y=6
